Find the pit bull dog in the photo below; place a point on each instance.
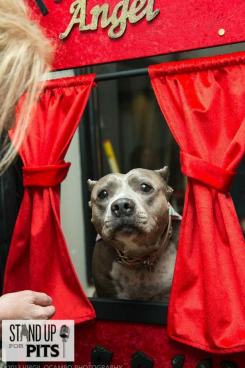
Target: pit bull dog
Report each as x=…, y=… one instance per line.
x=135, y=252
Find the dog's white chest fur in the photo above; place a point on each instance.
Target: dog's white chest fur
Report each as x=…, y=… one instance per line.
x=143, y=284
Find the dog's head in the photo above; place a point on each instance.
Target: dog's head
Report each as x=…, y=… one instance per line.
x=131, y=209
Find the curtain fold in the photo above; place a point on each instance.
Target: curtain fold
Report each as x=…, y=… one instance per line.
x=203, y=101
x=38, y=259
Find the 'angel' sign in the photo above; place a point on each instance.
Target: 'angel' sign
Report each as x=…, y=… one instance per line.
x=115, y=20
x=89, y=32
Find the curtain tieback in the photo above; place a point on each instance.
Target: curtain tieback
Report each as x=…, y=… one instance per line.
x=205, y=172
x=45, y=176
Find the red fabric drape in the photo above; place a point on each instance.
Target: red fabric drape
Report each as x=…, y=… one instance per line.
x=203, y=101
x=38, y=258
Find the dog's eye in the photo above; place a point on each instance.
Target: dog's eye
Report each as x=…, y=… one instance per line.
x=146, y=188
x=103, y=194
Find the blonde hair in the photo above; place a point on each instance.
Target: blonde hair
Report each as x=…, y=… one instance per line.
x=25, y=56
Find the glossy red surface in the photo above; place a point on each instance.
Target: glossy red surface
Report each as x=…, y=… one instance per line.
x=203, y=103
x=38, y=244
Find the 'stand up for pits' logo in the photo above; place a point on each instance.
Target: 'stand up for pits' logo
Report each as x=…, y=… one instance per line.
x=38, y=341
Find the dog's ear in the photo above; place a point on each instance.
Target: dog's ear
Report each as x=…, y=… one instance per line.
x=169, y=192
x=91, y=184
x=164, y=172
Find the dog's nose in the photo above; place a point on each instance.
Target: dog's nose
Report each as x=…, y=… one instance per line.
x=123, y=207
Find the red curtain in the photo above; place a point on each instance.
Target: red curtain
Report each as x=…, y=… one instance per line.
x=38, y=258
x=203, y=102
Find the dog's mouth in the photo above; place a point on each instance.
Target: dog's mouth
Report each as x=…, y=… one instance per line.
x=126, y=228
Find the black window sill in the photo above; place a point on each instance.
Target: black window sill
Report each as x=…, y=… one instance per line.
x=130, y=311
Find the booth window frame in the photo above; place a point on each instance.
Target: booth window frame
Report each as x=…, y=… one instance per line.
x=91, y=164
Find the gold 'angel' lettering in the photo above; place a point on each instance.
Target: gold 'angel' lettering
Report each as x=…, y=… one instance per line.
x=116, y=22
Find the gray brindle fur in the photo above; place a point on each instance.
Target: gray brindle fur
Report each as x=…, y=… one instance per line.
x=131, y=214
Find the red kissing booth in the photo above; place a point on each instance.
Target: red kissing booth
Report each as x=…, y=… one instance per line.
x=203, y=103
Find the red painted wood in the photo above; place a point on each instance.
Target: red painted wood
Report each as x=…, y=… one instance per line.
x=181, y=25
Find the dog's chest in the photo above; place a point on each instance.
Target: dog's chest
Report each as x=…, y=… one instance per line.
x=142, y=284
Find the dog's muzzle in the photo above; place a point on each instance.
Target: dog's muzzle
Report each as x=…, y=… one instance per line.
x=123, y=212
